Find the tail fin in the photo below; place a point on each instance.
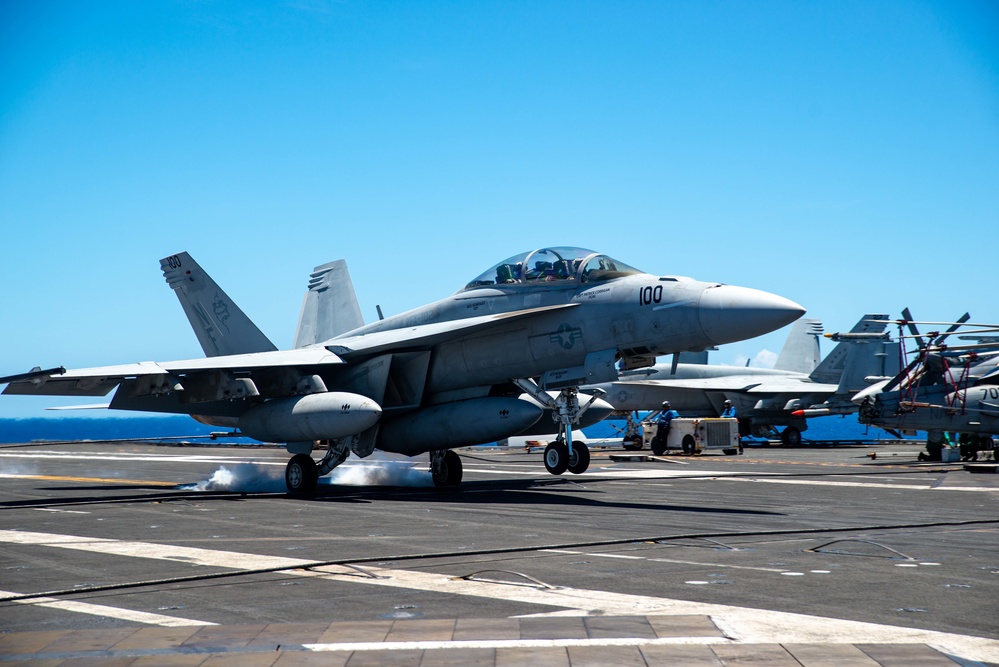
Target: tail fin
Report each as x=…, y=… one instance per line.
x=801, y=349
x=330, y=305
x=852, y=360
x=221, y=327
x=866, y=359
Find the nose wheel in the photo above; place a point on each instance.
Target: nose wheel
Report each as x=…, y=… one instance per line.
x=558, y=459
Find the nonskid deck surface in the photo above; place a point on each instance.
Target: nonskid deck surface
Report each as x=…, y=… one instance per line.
x=601, y=640
x=135, y=553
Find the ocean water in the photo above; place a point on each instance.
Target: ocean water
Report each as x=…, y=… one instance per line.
x=182, y=427
x=105, y=428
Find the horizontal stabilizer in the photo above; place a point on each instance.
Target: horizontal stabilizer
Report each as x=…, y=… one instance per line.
x=89, y=406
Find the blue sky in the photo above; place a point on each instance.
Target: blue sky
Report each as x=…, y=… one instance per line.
x=841, y=154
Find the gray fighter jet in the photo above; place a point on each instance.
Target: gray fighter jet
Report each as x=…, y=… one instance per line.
x=446, y=375
x=796, y=388
x=944, y=389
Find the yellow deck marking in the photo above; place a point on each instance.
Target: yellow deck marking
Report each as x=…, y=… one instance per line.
x=112, y=480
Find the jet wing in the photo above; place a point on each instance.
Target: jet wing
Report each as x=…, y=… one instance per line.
x=100, y=380
x=703, y=384
x=781, y=386
x=743, y=384
x=424, y=336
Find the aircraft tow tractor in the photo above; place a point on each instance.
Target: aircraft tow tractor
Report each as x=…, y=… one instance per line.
x=693, y=435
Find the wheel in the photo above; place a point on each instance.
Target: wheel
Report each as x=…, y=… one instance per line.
x=633, y=443
x=791, y=437
x=448, y=473
x=579, y=460
x=688, y=445
x=556, y=457
x=301, y=476
x=659, y=445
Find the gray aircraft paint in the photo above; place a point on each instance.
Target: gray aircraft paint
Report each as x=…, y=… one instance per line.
x=518, y=320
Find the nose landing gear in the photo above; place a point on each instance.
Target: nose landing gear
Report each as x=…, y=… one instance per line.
x=562, y=454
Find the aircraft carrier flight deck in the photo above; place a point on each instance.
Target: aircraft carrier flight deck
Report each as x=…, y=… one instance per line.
x=147, y=554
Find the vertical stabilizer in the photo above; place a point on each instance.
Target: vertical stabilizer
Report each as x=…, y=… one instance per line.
x=865, y=359
x=221, y=327
x=852, y=360
x=800, y=353
x=330, y=305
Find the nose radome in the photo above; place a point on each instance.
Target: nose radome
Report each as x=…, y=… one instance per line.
x=729, y=313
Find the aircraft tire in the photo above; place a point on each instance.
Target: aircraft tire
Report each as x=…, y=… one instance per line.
x=634, y=443
x=301, y=476
x=688, y=445
x=790, y=437
x=556, y=457
x=579, y=460
x=450, y=471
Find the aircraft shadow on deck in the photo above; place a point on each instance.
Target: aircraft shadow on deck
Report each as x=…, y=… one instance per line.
x=500, y=492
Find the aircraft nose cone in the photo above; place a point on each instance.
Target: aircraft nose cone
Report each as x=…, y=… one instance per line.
x=729, y=313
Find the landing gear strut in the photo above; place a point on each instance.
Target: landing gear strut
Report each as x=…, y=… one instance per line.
x=563, y=454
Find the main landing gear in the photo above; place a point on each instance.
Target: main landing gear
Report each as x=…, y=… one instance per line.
x=445, y=468
x=562, y=454
x=790, y=437
x=302, y=473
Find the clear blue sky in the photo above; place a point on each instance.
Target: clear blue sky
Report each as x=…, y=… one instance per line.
x=841, y=154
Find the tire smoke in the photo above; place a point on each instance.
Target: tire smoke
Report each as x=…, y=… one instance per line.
x=260, y=478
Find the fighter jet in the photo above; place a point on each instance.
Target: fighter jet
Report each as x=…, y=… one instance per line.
x=798, y=386
x=944, y=389
x=445, y=375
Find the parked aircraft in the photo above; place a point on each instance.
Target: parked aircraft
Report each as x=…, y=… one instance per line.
x=785, y=395
x=445, y=375
x=944, y=389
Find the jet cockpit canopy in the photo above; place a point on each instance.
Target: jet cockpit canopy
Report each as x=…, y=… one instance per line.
x=553, y=265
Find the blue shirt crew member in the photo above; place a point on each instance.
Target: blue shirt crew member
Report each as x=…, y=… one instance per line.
x=665, y=417
x=728, y=410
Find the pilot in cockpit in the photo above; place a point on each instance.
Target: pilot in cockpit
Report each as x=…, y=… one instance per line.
x=507, y=273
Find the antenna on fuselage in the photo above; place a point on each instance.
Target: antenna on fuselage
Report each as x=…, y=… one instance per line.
x=379, y=309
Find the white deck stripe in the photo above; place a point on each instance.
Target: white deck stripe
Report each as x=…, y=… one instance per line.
x=109, y=612
x=514, y=643
x=871, y=485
